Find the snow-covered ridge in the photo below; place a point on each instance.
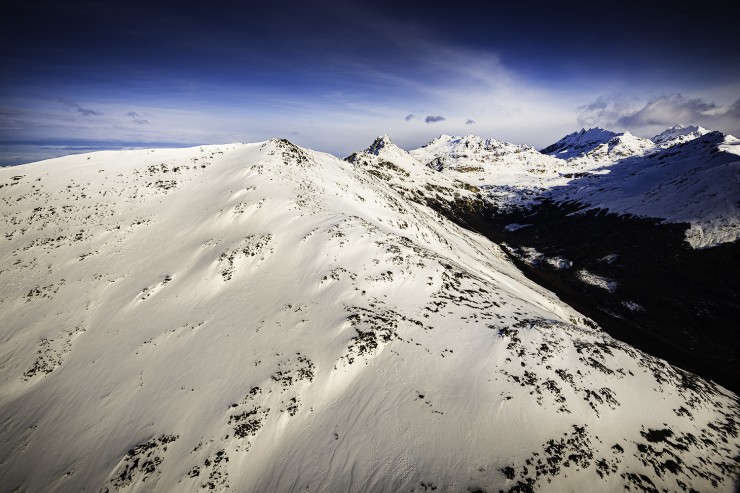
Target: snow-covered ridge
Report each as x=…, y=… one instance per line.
x=618, y=147
x=472, y=154
x=578, y=143
x=381, y=143
x=518, y=176
x=263, y=317
x=598, y=150
x=604, y=146
x=508, y=172
x=407, y=176
x=695, y=182
x=678, y=134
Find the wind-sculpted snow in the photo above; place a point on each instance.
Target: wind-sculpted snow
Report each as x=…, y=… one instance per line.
x=262, y=317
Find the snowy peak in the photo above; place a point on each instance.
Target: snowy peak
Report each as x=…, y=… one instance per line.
x=504, y=169
x=624, y=145
x=604, y=146
x=465, y=145
x=679, y=134
x=383, y=149
x=442, y=139
x=578, y=143
x=474, y=154
x=593, y=148
x=406, y=175
x=380, y=143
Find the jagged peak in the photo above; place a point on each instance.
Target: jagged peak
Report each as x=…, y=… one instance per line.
x=381, y=142
x=382, y=148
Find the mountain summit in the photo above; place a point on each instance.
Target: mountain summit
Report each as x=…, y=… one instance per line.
x=380, y=143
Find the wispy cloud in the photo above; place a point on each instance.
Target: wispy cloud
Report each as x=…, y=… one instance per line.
x=136, y=118
x=82, y=111
x=410, y=117
x=469, y=121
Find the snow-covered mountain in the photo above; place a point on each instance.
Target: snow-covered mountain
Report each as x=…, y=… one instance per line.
x=678, y=134
x=518, y=175
x=663, y=178
x=509, y=174
x=696, y=182
x=598, y=146
x=408, y=177
x=263, y=317
x=473, y=154
x=579, y=143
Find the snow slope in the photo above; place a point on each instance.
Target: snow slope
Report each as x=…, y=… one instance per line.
x=262, y=317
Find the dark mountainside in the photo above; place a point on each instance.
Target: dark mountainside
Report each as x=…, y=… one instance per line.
x=689, y=298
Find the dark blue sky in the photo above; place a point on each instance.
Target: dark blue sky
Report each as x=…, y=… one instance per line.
x=332, y=75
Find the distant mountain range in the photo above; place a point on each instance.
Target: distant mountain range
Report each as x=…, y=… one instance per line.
x=469, y=316
x=685, y=175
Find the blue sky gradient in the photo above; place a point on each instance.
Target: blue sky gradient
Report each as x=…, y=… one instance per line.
x=332, y=76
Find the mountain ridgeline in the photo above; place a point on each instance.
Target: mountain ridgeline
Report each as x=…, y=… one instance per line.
x=469, y=316
x=640, y=234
